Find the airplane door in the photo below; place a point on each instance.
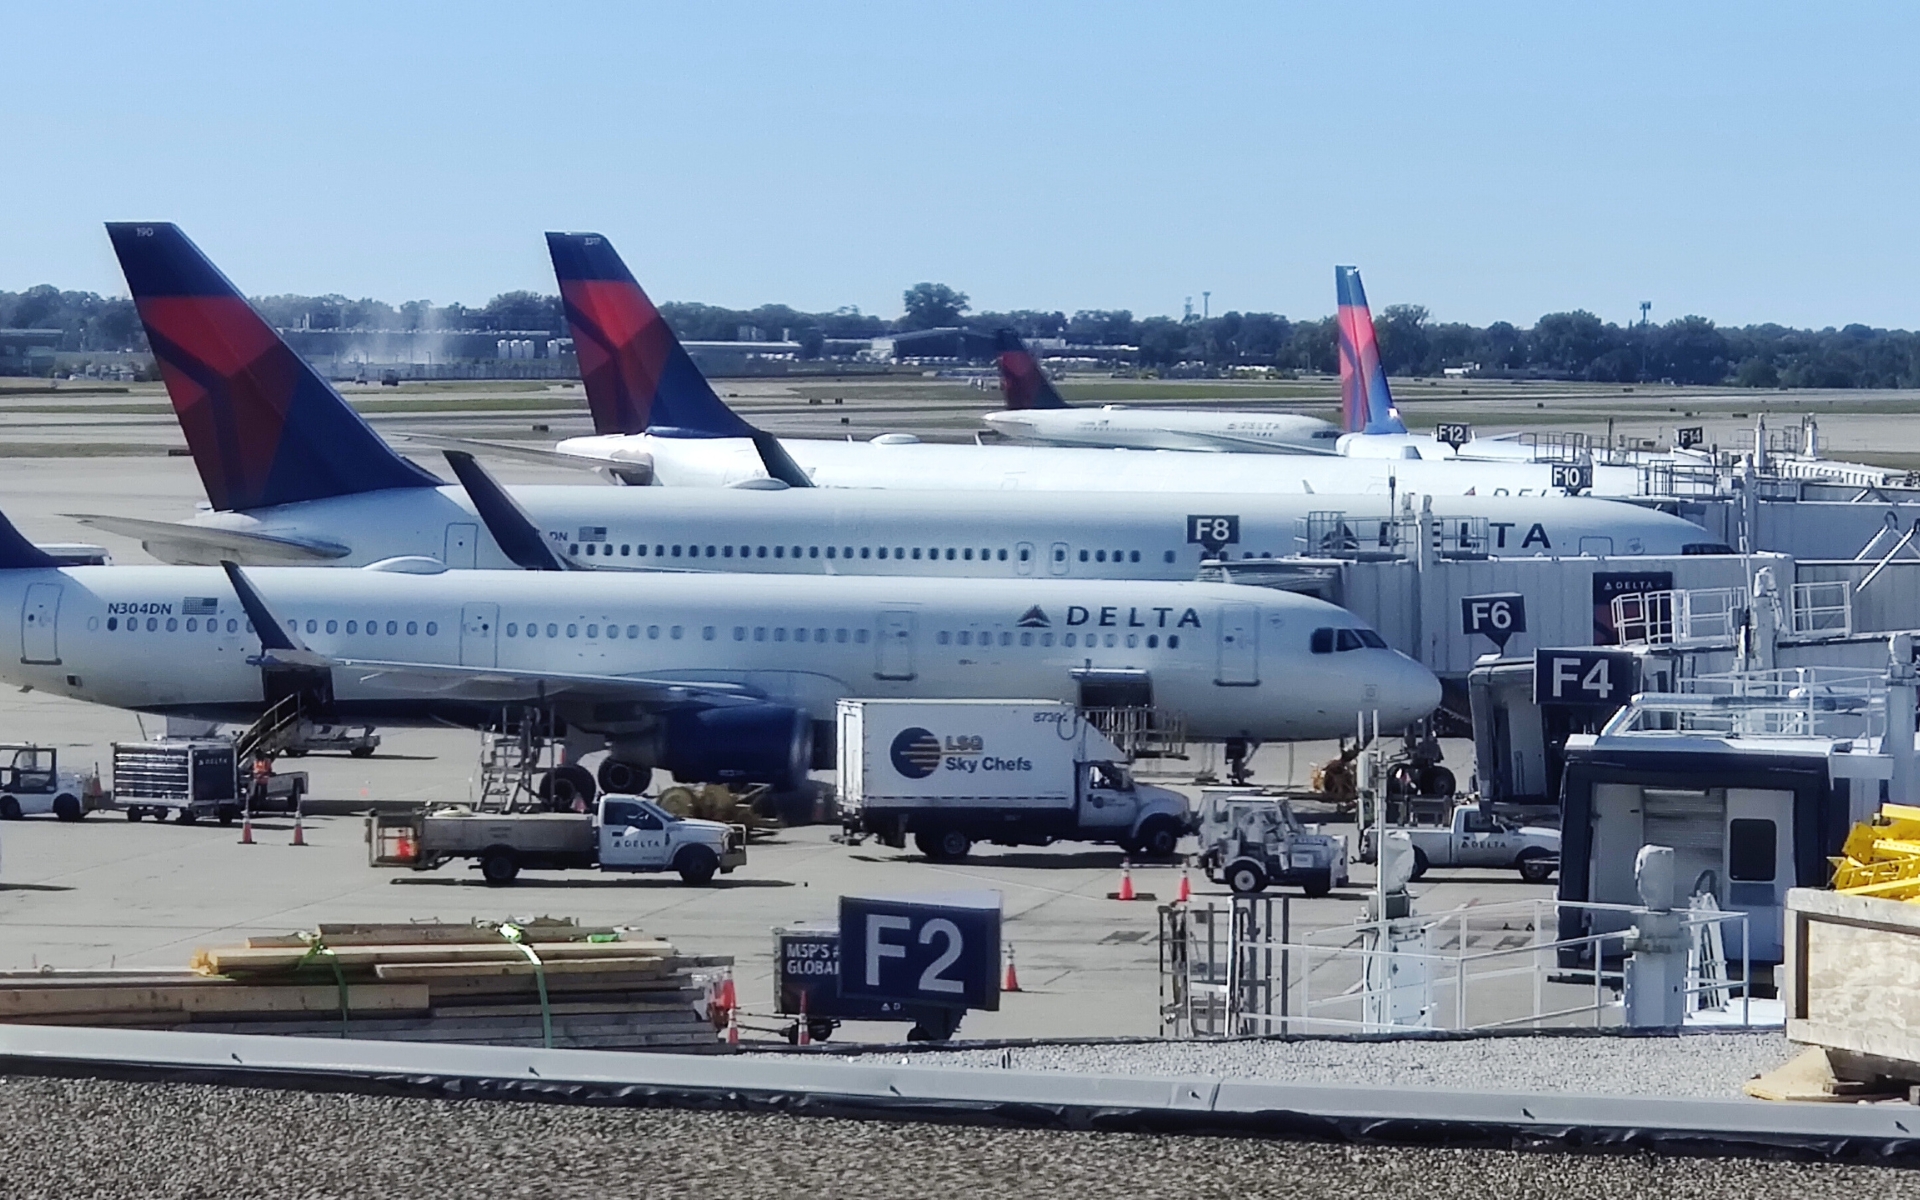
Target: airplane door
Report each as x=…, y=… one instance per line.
x=1057, y=559
x=479, y=634
x=896, y=646
x=1759, y=865
x=460, y=543
x=1024, y=554
x=1239, y=648
x=39, y=641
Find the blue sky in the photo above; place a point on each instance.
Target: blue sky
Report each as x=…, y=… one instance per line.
x=1748, y=162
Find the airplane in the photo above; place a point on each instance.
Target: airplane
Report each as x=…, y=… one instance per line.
x=710, y=677
x=296, y=477
x=1037, y=413
x=657, y=421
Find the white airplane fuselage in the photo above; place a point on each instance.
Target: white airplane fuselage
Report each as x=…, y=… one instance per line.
x=902, y=461
x=168, y=639
x=1167, y=429
x=846, y=531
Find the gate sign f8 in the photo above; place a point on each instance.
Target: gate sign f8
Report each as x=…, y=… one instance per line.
x=1597, y=678
x=1499, y=615
x=937, y=949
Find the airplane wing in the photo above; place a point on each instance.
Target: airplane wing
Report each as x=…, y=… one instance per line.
x=545, y=456
x=496, y=684
x=205, y=545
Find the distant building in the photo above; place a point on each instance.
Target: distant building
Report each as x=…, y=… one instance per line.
x=28, y=351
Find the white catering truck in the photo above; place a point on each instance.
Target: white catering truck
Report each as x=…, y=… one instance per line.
x=1473, y=838
x=1011, y=772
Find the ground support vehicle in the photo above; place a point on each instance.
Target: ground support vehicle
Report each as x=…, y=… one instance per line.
x=623, y=833
x=33, y=783
x=806, y=987
x=1250, y=841
x=950, y=773
x=360, y=741
x=1476, y=838
x=192, y=778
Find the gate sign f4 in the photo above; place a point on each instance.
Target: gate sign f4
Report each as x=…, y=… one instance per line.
x=941, y=949
x=1499, y=615
x=1588, y=678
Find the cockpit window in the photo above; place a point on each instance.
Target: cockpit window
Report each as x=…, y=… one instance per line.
x=1372, y=640
x=1348, y=639
x=1322, y=642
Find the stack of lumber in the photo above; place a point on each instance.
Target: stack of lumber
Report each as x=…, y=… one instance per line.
x=1882, y=858
x=605, y=988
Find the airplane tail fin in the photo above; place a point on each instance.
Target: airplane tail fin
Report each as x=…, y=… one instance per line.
x=1022, y=381
x=264, y=427
x=1366, y=406
x=639, y=377
x=19, y=554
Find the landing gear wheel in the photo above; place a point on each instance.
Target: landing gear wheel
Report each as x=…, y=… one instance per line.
x=1246, y=877
x=499, y=867
x=568, y=788
x=624, y=778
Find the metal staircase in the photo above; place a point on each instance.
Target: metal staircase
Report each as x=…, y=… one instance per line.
x=510, y=758
x=271, y=732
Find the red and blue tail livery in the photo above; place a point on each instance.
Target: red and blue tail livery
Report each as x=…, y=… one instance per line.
x=1022, y=382
x=264, y=427
x=639, y=377
x=1366, y=406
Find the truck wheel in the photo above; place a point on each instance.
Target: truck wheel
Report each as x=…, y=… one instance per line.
x=696, y=865
x=1246, y=877
x=228, y=814
x=820, y=1029
x=1317, y=883
x=134, y=814
x=361, y=752
x=1420, y=863
x=67, y=808
x=186, y=816
x=499, y=867
x=1536, y=866
x=9, y=808
x=1158, y=838
x=625, y=778
x=565, y=786
x=947, y=846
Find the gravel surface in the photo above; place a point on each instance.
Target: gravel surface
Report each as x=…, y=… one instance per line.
x=77, y=1139
x=1703, y=1065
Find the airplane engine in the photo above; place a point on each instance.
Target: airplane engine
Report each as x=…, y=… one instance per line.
x=749, y=743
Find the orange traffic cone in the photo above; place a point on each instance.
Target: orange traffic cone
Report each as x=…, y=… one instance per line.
x=246, y=829
x=1126, y=891
x=299, y=831
x=733, y=1027
x=806, y=1036
x=1013, y=977
x=1186, y=886
x=728, y=1000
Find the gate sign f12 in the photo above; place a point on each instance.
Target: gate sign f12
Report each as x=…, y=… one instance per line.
x=1594, y=678
x=1499, y=615
x=941, y=949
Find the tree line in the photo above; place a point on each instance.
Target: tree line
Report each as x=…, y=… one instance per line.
x=1566, y=346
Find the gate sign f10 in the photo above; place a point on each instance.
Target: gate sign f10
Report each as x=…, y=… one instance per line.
x=1499, y=615
x=936, y=950
x=1594, y=678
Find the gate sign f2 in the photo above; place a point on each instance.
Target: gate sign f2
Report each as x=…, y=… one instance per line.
x=941, y=950
x=1499, y=615
x=1592, y=678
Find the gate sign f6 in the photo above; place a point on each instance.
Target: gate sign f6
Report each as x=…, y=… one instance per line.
x=1594, y=678
x=1499, y=615
x=939, y=949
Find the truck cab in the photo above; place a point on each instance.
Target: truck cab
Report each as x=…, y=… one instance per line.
x=635, y=834
x=31, y=782
x=1141, y=818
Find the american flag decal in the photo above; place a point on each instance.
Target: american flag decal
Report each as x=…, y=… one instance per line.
x=200, y=606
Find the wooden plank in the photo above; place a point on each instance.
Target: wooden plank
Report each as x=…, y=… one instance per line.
x=231, y=960
x=218, y=997
x=434, y=972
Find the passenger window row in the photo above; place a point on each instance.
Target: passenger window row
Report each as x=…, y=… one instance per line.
x=1334, y=641
x=172, y=624
x=233, y=625
x=950, y=553
x=967, y=637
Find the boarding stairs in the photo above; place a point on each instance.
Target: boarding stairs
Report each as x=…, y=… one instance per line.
x=510, y=760
x=272, y=732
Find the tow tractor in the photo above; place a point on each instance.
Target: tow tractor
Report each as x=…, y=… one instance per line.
x=33, y=783
x=1249, y=841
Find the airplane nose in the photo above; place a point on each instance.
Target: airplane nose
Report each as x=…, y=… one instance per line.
x=1414, y=692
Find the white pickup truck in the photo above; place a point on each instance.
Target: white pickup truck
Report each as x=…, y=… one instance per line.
x=1478, y=839
x=625, y=833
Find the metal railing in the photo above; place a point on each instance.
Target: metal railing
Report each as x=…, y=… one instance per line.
x=1142, y=732
x=1240, y=971
x=1821, y=609
x=1681, y=617
x=1826, y=702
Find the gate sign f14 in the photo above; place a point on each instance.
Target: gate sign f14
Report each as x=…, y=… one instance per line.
x=941, y=949
x=1499, y=615
x=1593, y=678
